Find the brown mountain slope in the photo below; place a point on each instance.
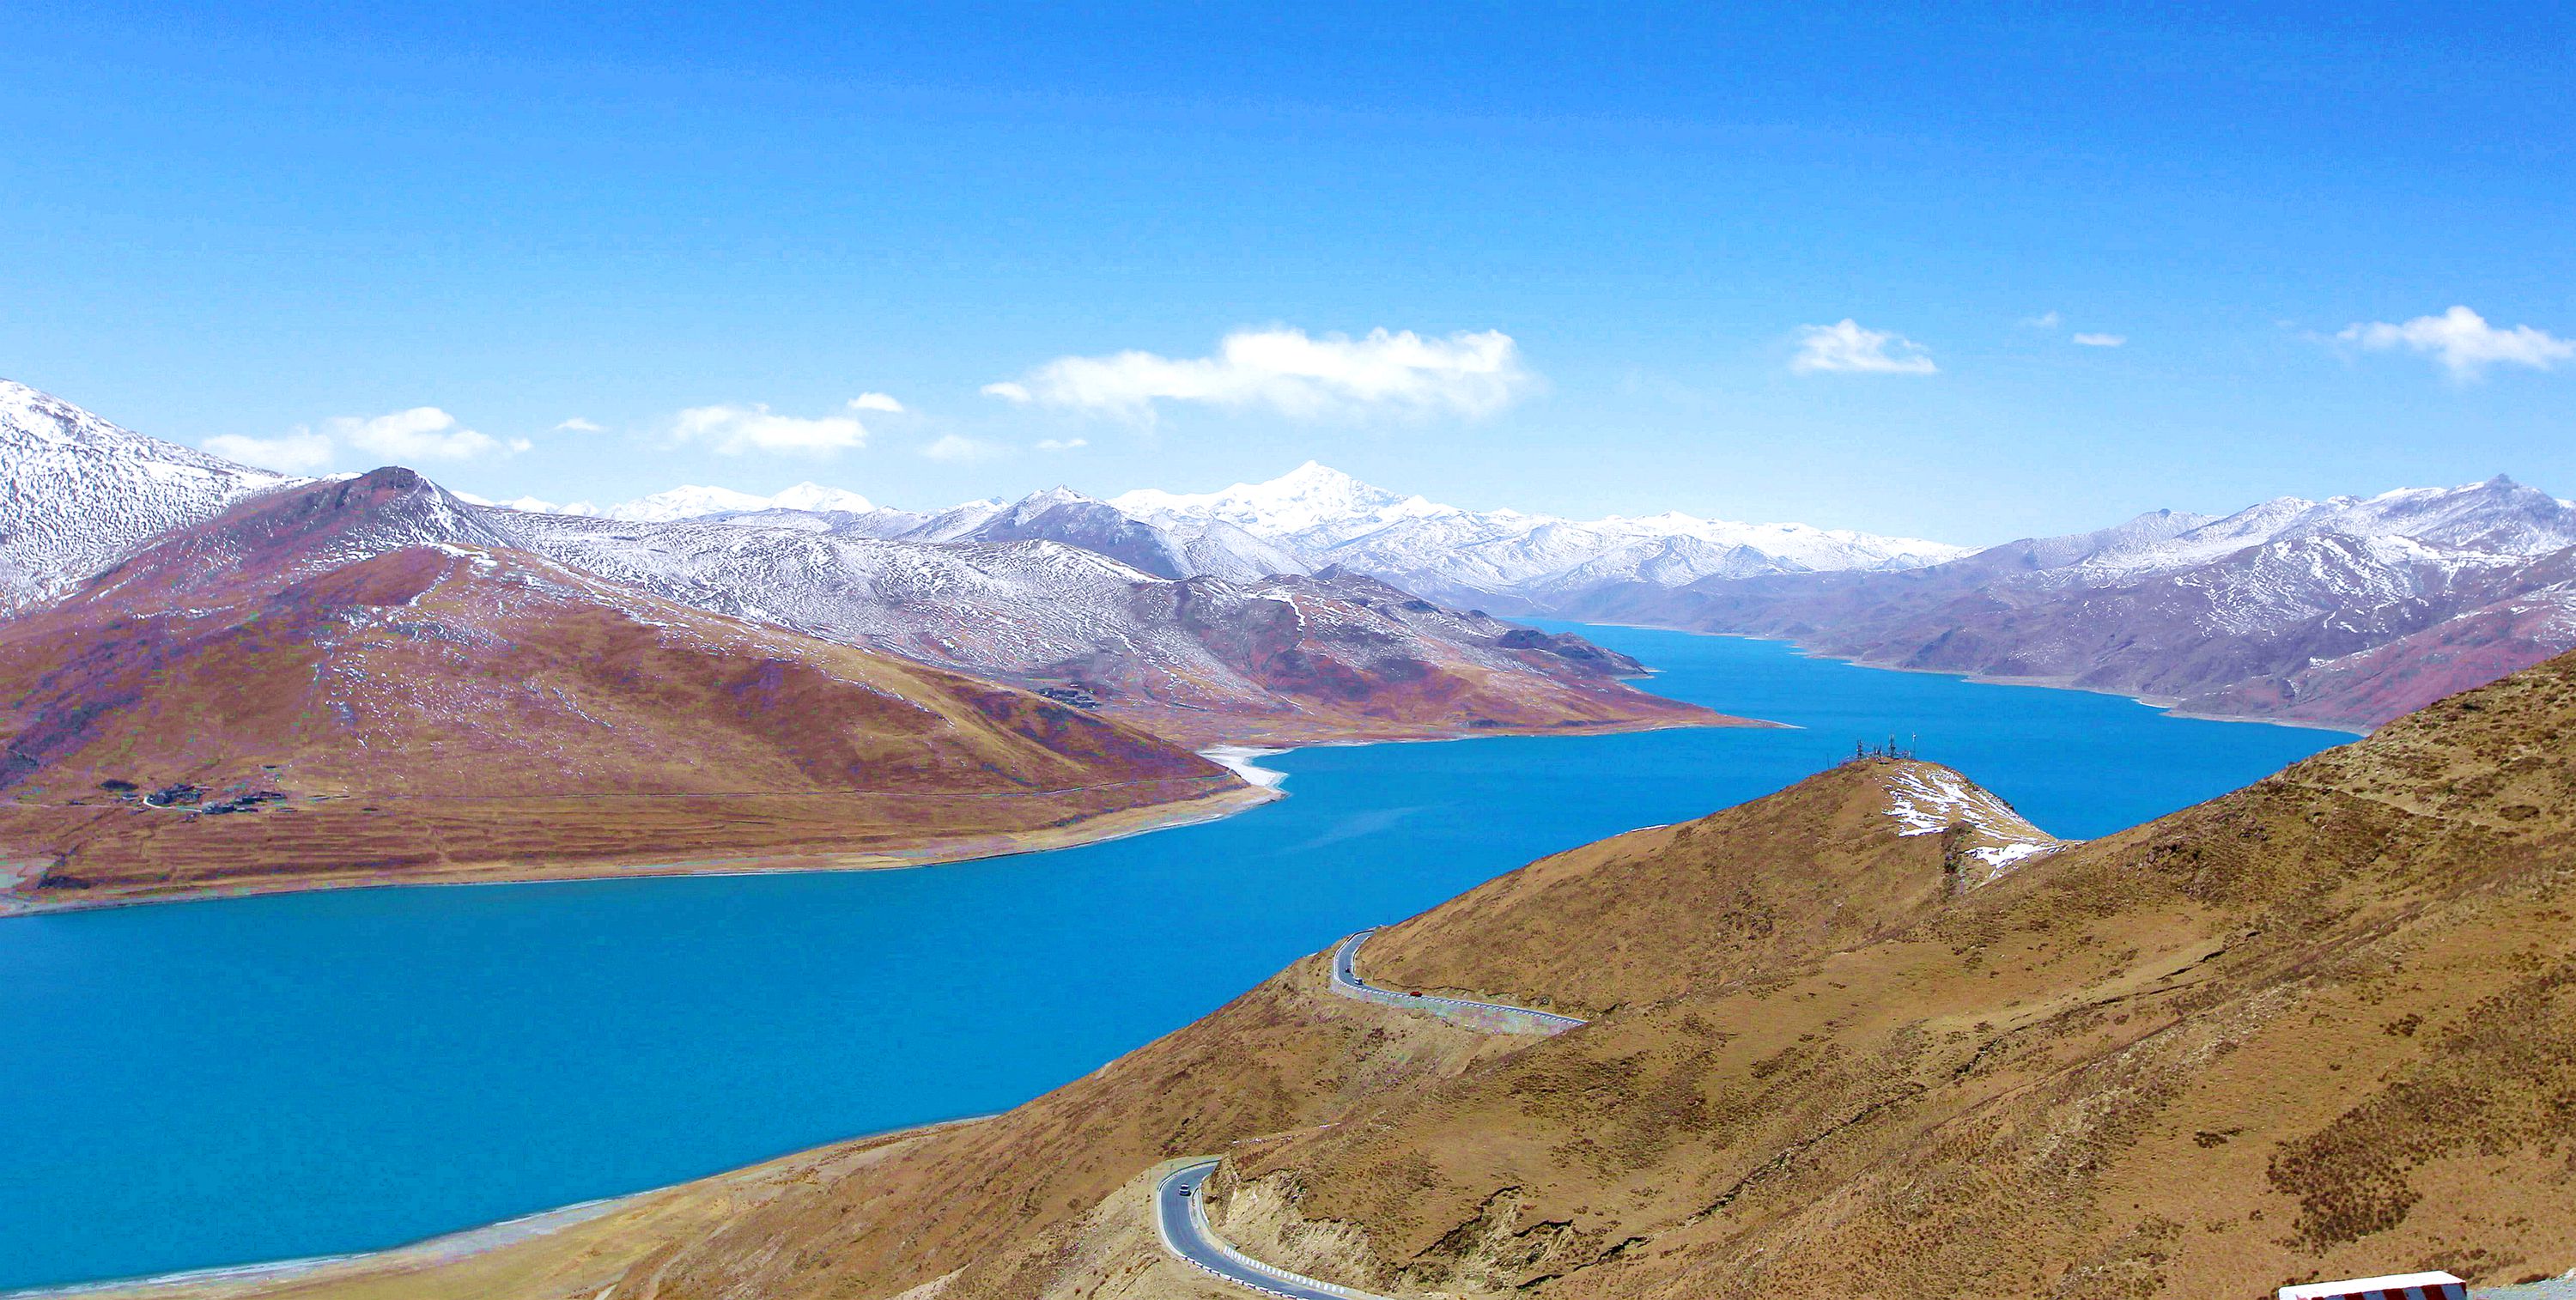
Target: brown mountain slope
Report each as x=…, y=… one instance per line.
x=1658, y=913
x=352, y=683
x=2322, y=1027
x=2325, y=1026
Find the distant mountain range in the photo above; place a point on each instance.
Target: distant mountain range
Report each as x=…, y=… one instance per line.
x=216, y=678
x=1507, y=560
x=2344, y=612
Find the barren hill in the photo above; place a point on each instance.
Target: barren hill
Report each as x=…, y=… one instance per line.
x=358, y=682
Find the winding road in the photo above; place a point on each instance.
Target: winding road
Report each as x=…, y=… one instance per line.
x=1183, y=1223
x=1180, y=1216
x=1492, y=1017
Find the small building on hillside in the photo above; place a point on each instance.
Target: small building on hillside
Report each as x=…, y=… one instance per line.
x=2406, y=1286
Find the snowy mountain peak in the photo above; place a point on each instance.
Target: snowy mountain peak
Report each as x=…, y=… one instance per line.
x=77, y=492
x=1309, y=505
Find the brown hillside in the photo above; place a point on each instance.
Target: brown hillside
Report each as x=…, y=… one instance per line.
x=2325, y=1026
x=348, y=684
x=1657, y=913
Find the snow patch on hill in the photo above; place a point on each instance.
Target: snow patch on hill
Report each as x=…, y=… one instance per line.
x=1924, y=799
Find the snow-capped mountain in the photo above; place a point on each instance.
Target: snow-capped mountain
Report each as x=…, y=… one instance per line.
x=1176, y=547
x=2347, y=611
x=76, y=492
x=1314, y=516
x=1312, y=507
x=1508, y=559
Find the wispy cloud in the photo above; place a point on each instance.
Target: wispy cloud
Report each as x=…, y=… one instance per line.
x=734, y=430
x=1062, y=444
x=1287, y=371
x=957, y=449
x=2101, y=340
x=876, y=402
x=577, y=425
x=421, y=433
x=2464, y=343
x=1845, y=347
x=300, y=452
x=2047, y=320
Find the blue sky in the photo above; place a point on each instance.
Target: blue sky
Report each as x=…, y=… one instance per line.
x=227, y=223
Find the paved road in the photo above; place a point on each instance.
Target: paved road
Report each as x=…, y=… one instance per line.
x=1184, y=1225
x=1492, y=1017
x=1186, y=1233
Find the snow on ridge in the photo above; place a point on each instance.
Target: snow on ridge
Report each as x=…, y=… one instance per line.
x=1329, y=517
x=1926, y=800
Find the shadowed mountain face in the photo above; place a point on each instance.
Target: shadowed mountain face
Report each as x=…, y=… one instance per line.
x=361, y=681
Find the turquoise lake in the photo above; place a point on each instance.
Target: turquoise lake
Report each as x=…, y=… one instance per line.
x=214, y=1083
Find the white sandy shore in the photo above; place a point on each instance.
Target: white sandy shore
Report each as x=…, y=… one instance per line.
x=1239, y=759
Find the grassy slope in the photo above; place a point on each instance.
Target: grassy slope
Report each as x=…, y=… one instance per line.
x=2324, y=1026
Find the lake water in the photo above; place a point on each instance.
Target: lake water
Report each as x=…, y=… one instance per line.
x=212, y=1083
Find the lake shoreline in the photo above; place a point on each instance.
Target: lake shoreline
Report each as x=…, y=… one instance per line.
x=1100, y=828
x=18, y=875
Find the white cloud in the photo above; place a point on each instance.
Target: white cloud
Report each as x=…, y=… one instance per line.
x=2101, y=340
x=1846, y=347
x=2047, y=320
x=577, y=425
x=1289, y=372
x=876, y=402
x=421, y=433
x=956, y=449
x=295, y=453
x=733, y=430
x=1062, y=444
x=2464, y=343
